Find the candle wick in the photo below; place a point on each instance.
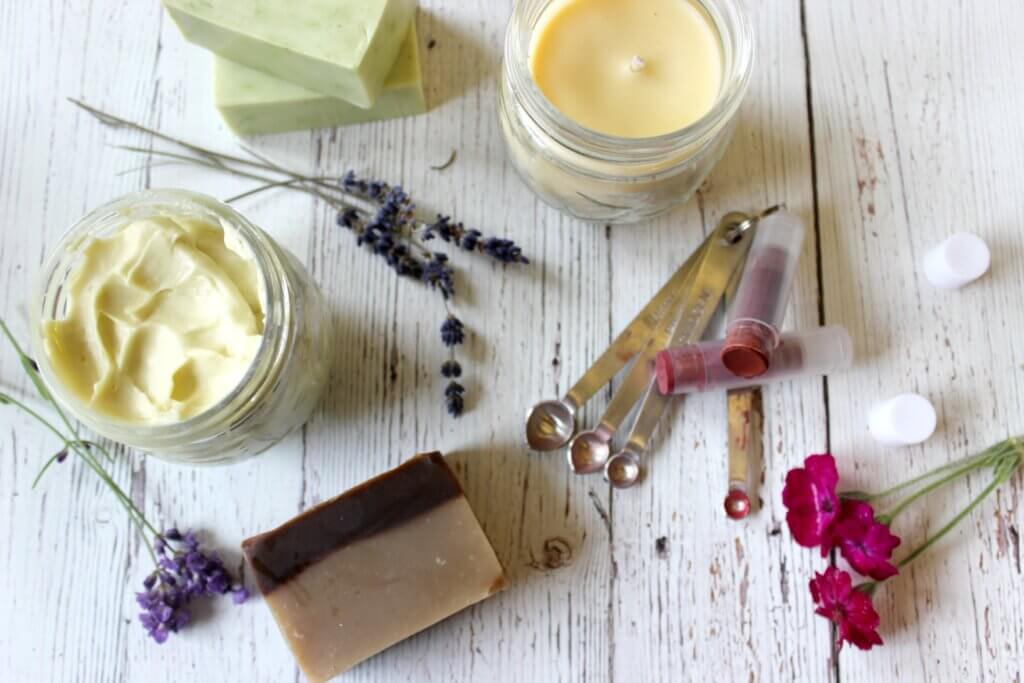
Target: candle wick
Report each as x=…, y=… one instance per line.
x=637, y=64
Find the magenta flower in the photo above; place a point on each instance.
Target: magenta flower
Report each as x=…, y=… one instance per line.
x=866, y=543
x=849, y=608
x=810, y=496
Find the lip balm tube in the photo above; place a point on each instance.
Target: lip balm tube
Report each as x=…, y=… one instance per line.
x=759, y=306
x=699, y=367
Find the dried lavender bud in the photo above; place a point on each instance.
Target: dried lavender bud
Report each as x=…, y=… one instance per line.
x=395, y=234
x=353, y=184
x=437, y=274
x=184, y=572
x=470, y=240
x=452, y=331
x=502, y=250
x=454, y=401
x=392, y=215
x=442, y=228
x=62, y=455
x=451, y=368
x=349, y=218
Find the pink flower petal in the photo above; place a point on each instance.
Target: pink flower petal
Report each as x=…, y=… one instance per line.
x=849, y=609
x=811, y=501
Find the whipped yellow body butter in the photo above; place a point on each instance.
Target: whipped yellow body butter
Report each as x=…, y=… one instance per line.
x=163, y=319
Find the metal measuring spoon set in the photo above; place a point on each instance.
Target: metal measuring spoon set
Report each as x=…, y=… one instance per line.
x=678, y=314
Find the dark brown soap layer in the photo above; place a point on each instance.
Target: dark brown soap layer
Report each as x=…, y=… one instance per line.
x=390, y=499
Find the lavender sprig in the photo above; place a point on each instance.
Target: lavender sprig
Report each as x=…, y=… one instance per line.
x=183, y=571
x=382, y=216
x=453, y=333
x=500, y=249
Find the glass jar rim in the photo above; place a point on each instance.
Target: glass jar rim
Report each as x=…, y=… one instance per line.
x=133, y=206
x=731, y=21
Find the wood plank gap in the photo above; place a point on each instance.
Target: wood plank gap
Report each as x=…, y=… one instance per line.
x=818, y=268
x=613, y=574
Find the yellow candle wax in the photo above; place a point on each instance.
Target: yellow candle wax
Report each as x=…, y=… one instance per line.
x=628, y=68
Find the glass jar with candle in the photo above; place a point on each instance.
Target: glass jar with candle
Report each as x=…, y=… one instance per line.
x=616, y=111
x=168, y=322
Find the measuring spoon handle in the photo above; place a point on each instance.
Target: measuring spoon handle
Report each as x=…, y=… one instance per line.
x=634, y=337
x=712, y=279
x=640, y=375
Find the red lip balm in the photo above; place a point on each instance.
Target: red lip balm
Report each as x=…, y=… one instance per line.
x=760, y=303
x=699, y=367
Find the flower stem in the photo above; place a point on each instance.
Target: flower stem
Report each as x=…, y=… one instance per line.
x=34, y=376
x=262, y=188
x=56, y=456
x=868, y=587
x=79, y=446
x=214, y=160
x=1010, y=458
x=887, y=517
x=975, y=461
x=7, y=398
x=117, y=122
x=949, y=525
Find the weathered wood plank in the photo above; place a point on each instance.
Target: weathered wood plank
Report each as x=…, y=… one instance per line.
x=718, y=595
x=908, y=104
x=916, y=112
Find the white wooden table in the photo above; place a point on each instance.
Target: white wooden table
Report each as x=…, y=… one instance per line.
x=885, y=125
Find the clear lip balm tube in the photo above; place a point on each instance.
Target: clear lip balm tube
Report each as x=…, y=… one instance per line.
x=699, y=367
x=759, y=305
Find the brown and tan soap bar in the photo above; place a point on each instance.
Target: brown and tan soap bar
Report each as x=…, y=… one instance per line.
x=380, y=562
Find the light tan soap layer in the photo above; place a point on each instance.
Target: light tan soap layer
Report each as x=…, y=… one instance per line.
x=254, y=103
x=376, y=592
x=163, y=319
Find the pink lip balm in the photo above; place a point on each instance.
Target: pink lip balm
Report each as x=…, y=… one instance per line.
x=699, y=367
x=759, y=306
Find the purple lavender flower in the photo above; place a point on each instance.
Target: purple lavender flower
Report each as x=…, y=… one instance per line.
x=451, y=369
x=452, y=331
x=385, y=223
x=454, y=400
x=503, y=250
x=438, y=275
x=348, y=218
x=470, y=240
x=184, y=572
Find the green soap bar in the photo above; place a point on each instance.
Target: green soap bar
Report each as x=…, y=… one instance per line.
x=253, y=103
x=342, y=48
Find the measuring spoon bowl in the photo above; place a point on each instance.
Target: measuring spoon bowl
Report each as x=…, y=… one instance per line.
x=589, y=451
x=623, y=470
x=550, y=425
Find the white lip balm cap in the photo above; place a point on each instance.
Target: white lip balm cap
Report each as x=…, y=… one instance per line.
x=903, y=420
x=962, y=258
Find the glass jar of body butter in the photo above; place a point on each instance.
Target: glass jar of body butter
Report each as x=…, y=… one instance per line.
x=141, y=325
x=604, y=178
